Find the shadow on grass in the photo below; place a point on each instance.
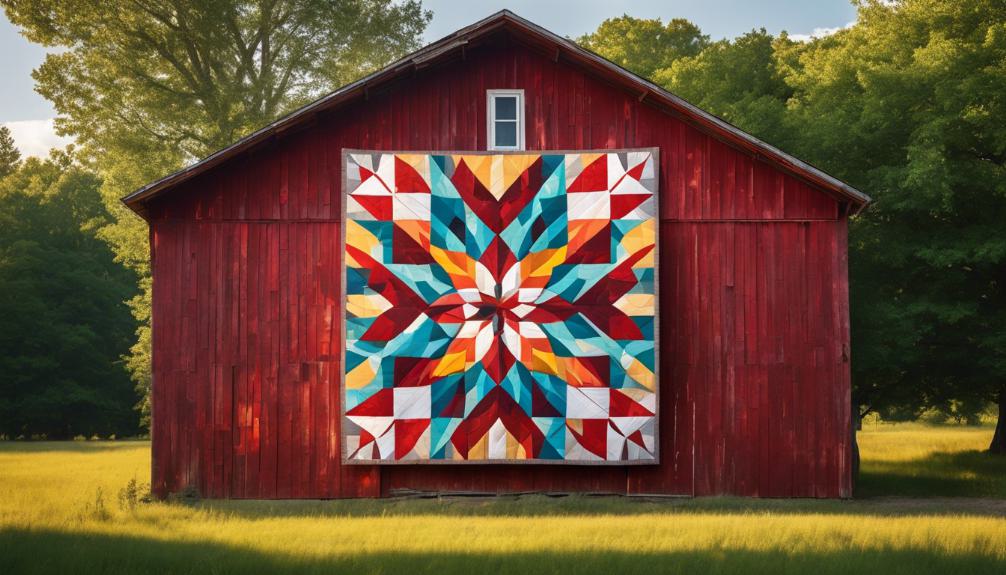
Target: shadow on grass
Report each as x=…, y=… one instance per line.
x=943, y=474
x=41, y=551
x=582, y=506
x=511, y=506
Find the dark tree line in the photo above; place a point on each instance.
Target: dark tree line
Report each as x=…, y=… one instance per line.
x=147, y=86
x=64, y=323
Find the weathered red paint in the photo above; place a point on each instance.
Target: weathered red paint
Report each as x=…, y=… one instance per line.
x=754, y=321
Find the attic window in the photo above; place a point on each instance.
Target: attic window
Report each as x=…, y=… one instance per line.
x=506, y=119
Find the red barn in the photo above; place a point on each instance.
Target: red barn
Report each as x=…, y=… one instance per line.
x=248, y=266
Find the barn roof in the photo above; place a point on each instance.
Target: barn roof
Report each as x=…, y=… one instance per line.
x=532, y=34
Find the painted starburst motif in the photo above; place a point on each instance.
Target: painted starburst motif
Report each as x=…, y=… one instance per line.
x=500, y=307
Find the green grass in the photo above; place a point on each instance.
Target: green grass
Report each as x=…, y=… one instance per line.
x=916, y=460
x=59, y=513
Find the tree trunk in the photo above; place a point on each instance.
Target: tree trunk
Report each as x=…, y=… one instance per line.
x=998, y=446
x=857, y=424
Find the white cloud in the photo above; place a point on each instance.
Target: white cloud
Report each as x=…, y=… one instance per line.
x=819, y=33
x=36, y=137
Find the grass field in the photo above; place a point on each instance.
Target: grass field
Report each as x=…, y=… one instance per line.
x=60, y=513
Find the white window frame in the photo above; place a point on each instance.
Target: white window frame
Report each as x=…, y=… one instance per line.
x=491, y=96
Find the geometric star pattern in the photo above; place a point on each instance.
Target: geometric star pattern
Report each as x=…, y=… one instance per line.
x=500, y=307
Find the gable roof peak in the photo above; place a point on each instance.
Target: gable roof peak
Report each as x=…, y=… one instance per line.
x=571, y=51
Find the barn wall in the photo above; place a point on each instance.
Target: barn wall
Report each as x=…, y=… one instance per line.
x=754, y=319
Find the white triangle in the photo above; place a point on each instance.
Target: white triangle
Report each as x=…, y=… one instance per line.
x=372, y=424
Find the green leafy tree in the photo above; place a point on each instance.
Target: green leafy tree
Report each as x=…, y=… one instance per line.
x=64, y=323
x=10, y=157
x=740, y=80
x=145, y=87
x=643, y=45
x=908, y=104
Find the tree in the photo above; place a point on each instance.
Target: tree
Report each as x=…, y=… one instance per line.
x=10, y=157
x=145, y=87
x=908, y=105
x=645, y=46
x=63, y=321
x=739, y=80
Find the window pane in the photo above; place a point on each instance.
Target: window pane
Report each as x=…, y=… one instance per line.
x=506, y=107
x=506, y=134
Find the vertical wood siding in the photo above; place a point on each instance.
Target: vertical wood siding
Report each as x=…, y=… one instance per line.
x=754, y=303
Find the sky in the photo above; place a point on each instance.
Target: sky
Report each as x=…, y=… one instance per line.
x=30, y=117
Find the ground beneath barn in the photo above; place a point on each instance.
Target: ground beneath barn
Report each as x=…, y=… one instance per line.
x=928, y=502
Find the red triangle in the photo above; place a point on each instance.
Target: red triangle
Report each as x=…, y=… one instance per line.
x=596, y=250
x=613, y=322
x=381, y=404
x=476, y=196
x=599, y=366
x=378, y=206
x=623, y=204
x=413, y=371
x=497, y=258
x=617, y=283
x=406, y=250
x=636, y=172
x=408, y=180
x=365, y=438
x=594, y=437
x=390, y=323
x=524, y=189
x=498, y=361
x=622, y=405
x=593, y=178
x=540, y=406
x=637, y=438
x=407, y=433
x=384, y=282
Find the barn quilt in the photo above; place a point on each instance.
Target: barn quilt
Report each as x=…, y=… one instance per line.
x=500, y=307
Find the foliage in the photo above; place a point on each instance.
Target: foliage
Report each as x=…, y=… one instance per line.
x=133, y=494
x=195, y=76
x=50, y=500
x=907, y=104
x=738, y=80
x=645, y=46
x=147, y=86
x=10, y=157
x=63, y=323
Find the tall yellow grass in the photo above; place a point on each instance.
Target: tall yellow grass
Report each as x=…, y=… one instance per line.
x=895, y=442
x=59, y=510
